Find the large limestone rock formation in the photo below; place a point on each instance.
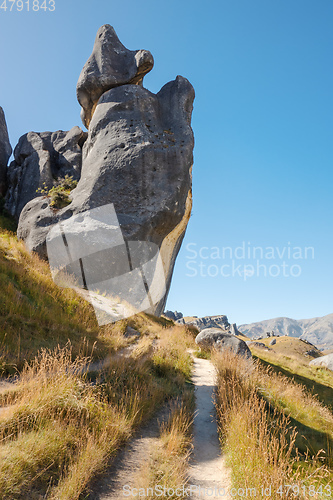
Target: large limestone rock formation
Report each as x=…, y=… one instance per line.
x=5, y=152
x=40, y=160
x=138, y=155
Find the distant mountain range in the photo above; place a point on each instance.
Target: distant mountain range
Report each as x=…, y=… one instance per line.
x=318, y=331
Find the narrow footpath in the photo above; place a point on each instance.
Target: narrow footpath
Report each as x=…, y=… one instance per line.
x=207, y=468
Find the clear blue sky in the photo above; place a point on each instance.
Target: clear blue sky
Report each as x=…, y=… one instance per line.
x=263, y=75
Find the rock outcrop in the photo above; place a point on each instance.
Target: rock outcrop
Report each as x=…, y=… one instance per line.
x=40, y=160
x=138, y=155
x=208, y=322
x=110, y=65
x=325, y=361
x=5, y=152
x=221, y=340
x=174, y=315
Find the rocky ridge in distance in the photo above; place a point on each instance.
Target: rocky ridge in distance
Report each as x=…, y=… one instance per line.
x=318, y=331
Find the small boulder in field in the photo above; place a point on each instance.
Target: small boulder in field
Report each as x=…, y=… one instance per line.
x=221, y=340
x=326, y=361
x=131, y=332
x=272, y=342
x=256, y=344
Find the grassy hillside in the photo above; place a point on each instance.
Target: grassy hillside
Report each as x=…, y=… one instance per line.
x=288, y=357
x=292, y=348
x=274, y=433
x=59, y=424
x=35, y=313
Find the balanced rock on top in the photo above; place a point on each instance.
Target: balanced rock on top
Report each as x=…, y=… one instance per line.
x=110, y=65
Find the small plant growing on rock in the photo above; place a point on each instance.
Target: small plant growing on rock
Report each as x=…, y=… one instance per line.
x=59, y=193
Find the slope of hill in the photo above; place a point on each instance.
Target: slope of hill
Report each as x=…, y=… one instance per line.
x=60, y=423
x=35, y=313
x=318, y=331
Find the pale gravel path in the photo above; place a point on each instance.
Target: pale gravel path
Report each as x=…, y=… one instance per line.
x=208, y=469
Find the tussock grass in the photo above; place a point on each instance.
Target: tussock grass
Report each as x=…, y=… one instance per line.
x=59, y=423
x=60, y=427
x=318, y=380
x=167, y=465
x=262, y=416
x=54, y=414
x=35, y=313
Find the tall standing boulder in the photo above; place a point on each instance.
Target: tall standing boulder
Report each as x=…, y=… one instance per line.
x=138, y=155
x=5, y=152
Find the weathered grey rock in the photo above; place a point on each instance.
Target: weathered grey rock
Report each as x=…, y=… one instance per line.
x=35, y=222
x=5, y=152
x=174, y=315
x=207, y=322
x=41, y=159
x=326, y=361
x=221, y=340
x=234, y=330
x=272, y=342
x=131, y=332
x=257, y=344
x=314, y=353
x=110, y=65
x=138, y=157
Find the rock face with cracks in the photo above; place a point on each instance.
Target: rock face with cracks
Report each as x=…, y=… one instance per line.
x=40, y=160
x=138, y=155
x=5, y=152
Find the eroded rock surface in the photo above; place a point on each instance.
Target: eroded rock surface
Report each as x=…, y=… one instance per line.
x=219, y=321
x=41, y=159
x=110, y=65
x=220, y=340
x=5, y=152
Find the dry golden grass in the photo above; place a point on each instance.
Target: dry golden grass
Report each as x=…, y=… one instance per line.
x=259, y=413
x=36, y=313
x=60, y=427
x=167, y=463
x=291, y=347
x=317, y=380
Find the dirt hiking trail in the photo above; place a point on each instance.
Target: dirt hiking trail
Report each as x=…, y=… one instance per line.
x=207, y=466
